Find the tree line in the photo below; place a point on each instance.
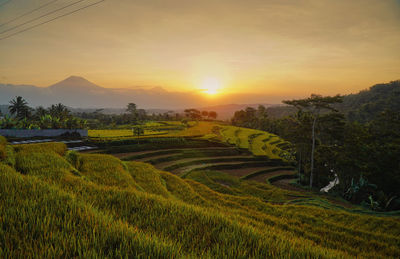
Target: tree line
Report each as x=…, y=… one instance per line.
x=57, y=116
x=364, y=155
x=133, y=116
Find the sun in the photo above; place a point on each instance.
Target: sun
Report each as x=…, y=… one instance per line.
x=211, y=86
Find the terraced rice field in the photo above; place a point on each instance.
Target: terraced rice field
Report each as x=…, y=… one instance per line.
x=259, y=143
x=230, y=160
x=57, y=204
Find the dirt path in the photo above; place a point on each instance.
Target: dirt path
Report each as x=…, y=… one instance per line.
x=185, y=160
x=182, y=170
x=172, y=151
x=263, y=177
x=240, y=172
x=285, y=184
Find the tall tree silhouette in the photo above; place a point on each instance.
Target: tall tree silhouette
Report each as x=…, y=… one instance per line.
x=19, y=108
x=314, y=105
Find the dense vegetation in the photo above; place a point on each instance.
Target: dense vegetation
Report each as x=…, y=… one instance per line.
x=368, y=105
x=22, y=116
x=134, y=117
x=65, y=204
x=361, y=146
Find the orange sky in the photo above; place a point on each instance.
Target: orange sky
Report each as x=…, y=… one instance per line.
x=278, y=47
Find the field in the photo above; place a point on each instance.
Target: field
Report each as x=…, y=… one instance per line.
x=151, y=129
x=259, y=143
x=176, y=197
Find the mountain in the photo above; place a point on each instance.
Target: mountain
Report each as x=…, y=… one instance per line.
x=75, y=84
x=78, y=92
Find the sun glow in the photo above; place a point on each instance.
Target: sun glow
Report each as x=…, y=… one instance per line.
x=211, y=86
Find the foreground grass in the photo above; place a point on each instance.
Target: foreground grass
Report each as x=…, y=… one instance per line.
x=98, y=206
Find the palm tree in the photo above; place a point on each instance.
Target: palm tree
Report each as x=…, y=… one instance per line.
x=40, y=112
x=59, y=111
x=19, y=108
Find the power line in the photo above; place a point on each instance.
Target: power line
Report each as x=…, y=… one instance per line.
x=25, y=14
x=6, y=2
x=44, y=15
x=55, y=18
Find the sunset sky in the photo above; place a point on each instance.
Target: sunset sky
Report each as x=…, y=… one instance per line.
x=277, y=47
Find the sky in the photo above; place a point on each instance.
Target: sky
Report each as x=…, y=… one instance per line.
x=260, y=47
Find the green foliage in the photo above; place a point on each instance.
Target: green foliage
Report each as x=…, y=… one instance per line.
x=24, y=117
x=369, y=104
x=138, y=131
x=19, y=108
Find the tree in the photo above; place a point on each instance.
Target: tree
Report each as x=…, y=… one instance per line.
x=59, y=111
x=212, y=115
x=131, y=108
x=193, y=114
x=19, y=108
x=137, y=131
x=204, y=114
x=40, y=112
x=314, y=105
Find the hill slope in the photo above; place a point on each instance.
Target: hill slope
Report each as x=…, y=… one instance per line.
x=363, y=106
x=73, y=205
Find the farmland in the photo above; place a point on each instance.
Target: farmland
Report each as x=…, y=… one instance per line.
x=204, y=191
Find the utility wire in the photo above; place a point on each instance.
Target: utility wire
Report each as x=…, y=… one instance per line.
x=55, y=18
x=44, y=15
x=6, y=2
x=27, y=13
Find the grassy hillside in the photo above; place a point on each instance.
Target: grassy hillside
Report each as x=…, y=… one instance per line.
x=65, y=204
x=259, y=143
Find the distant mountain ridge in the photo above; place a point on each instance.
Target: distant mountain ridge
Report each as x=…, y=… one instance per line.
x=82, y=95
x=78, y=92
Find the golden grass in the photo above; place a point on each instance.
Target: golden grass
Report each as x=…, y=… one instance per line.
x=59, y=148
x=101, y=207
